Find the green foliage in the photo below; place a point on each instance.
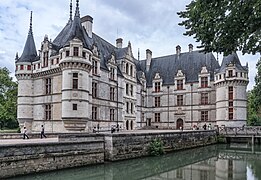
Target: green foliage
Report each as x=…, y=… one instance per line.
x=8, y=100
x=221, y=139
x=254, y=100
x=224, y=25
x=156, y=147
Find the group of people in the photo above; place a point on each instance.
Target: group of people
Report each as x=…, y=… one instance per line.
x=25, y=135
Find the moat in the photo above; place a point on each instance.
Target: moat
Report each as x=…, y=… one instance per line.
x=234, y=161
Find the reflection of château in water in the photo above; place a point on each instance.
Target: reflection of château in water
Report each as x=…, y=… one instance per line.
x=215, y=162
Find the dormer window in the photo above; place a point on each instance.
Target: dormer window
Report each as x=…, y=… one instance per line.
x=45, y=58
x=127, y=68
x=230, y=73
x=75, y=51
x=112, y=73
x=94, y=67
x=84, y=55
x=157, y=86
x=179, y=84
x=204, y=82
x=29, y=67
x=67, y=53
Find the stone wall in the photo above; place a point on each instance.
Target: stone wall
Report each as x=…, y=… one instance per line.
x=74, y=150
x=31, y=158
x=127, y=146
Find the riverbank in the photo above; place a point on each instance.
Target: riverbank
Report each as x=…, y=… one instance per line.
x=72, y=150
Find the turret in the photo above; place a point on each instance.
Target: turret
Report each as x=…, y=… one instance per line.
x=231, y=100
x=23, y=75
x=76, y=65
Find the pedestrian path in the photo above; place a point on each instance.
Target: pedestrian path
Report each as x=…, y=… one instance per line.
x=27, y=141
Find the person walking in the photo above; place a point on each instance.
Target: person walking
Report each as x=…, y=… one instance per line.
x=42, y=132
x=25, y=133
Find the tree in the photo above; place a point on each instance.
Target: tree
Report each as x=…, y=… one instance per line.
x=8, y=100
x=224, y=25
x=254, y=99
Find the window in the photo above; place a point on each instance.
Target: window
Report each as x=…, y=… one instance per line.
x=142, y=101
x=131, y=90
x=94, y=113
x=75, y=107
x=57, y=60
x=230, y=73
x=157, y=117
x=48, y=112
x=204, y=115
x=220, y=76
x=230, y=93
x=131, y=70
x=51, y=61
x=179, y=84
x=127, y=68
x=75, y=80
x=39, y=66
x=157, y=86
x=45, y=58
x=94, y=67
x=204, y=82
x=48, y=86
x=230, y=113
x=127, y=107
x=67, y=53
x=132, y=108
x=241, y=74
x=179, y=173
x=21, y=67
x=75, y=51
x=84, y=54
x=112, y=73
x=230, y=169
x=179, y=100
x=29, y=67
x=157, y=101
x=230, y=103
x=112, y=92
x=94, y=89
x=112, y=114
x=203, y=175
x=127, y=89
x=34, y=67
x=61, y=55
x=204, y=98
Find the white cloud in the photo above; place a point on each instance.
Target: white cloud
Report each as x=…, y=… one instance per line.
x=148, y=25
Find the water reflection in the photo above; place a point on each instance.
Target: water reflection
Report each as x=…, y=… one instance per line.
x=217, y=162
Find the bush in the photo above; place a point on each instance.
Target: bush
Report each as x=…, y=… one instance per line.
x=156, y=147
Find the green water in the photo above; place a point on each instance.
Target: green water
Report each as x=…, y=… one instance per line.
x=216, y=162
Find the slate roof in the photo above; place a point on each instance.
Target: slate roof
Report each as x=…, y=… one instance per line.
x=232, y=58
x=73, y=29
x=190, y=63
x=29, y=53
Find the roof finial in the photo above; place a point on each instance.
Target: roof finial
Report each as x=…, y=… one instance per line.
x=77, y=11
x=138, y=53
x=31, y=23
x=70, y=11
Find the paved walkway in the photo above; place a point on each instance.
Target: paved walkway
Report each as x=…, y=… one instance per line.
x=27, y=141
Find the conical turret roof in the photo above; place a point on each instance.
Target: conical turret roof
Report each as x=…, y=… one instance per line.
x=29, y=53
x=231, y=59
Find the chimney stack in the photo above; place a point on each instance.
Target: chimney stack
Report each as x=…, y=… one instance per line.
x=148, y=59
x=190, y=47
x=178, y=50
x=87, y=24
x=119, y=42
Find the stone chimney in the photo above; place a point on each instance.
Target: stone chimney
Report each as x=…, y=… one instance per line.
x=190, y=47
x=148, y=59
x=119, y=42
x=178, y=50
x=87, y=24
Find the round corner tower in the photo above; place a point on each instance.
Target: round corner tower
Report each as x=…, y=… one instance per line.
x=231, y=98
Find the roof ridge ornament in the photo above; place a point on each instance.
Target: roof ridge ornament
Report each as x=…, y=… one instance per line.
x=77, y=11
x=70, y=11
x=31, y=24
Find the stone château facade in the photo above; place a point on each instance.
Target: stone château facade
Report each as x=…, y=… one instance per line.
x=80, y=81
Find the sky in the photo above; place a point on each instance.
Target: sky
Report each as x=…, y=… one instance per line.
x=146, y=24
